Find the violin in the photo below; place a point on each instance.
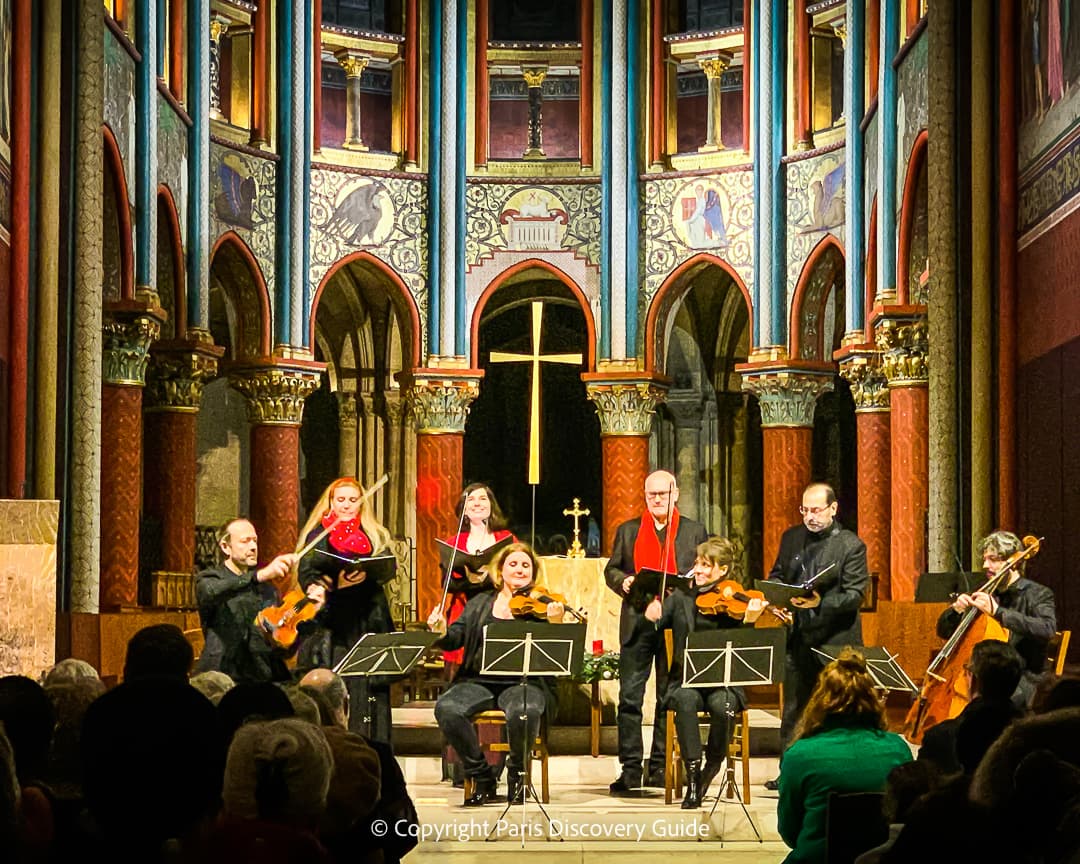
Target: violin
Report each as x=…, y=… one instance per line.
x=730, y=598
x=533, y=602
x=278, y=623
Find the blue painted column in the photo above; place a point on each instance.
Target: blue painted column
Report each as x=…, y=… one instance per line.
x=146, y=126
x=162, y=30
x=435, y=71
x=461, y=81
x=755, y=158
x=619, y=194
x=605, y=179
x=198, y=204
x=448, y=182
x=854, y=108
x=634, y=137
x=887, y=174
x=304, y=336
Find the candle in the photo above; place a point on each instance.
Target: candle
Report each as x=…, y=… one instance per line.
x=598, y=646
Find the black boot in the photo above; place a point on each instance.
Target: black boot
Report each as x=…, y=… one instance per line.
x=484, y=790
x=515, y=786
x=692, y=799
x=628, y=782
x=713, y=764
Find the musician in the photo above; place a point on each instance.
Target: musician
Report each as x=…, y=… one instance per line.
x=680, y=614
x=662, y=540
x=513, y=570
x=362, y=608
x=230, y=595
x=1023, y=607
x=818, y=547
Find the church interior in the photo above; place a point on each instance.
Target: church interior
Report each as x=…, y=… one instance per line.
x=551, y=246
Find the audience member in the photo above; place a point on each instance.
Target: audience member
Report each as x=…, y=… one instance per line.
x=9, y=798
x=248, y=701
x=159, y=651
x=304, y=707
x=212, y=684
x=1065, y=693
x=904, y=786
x=332, y=687
x=69, y=670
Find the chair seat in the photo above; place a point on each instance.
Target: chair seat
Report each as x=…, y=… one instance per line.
x=538, y=751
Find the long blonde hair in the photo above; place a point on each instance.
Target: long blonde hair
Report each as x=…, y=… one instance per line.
x=375, y=530
x=844, y=694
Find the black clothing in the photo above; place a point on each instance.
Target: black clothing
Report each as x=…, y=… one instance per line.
x=641, y=643
x=228, y=603
x=804, y=554
x=960, y=743
x=1026, y=610
x=348, y=614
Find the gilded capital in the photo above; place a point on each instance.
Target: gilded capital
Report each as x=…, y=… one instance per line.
x=176, y=378
x=534, y=76
x=275, y=394
x=905, y=347
x=127, y=336
x=218, y=26
x=869, y=387
x=352, y=62
x=786, y=397
x=625, y=407
x=441, y=405
x=714, y=67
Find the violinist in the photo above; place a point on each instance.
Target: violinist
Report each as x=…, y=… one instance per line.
x=348, y=615
x=683, y=612
x=1023, y=607
x=513, y=571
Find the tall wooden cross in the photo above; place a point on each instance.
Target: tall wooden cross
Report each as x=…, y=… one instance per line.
x=536, y=358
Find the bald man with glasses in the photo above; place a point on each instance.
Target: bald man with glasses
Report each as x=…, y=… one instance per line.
x=641, y=544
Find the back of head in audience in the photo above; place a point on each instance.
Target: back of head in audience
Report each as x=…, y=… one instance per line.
x=69, y=670
x=247, y=701
x=905, y=785
x=158, y=651
x=1064, y=694
x=9, y=794
x=304, y=707
x=28, y=717
x=212, y=684
x=332, y=687
x=70, y=703
x=278, y=771
x=996, y=669
x=844, y=695
x=153, y=760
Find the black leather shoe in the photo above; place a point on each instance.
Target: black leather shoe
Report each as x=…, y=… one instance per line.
x=484, y=791
x=692, y=799
x=655, y=778
x=772, y=785
x=515, y=787
x=627, y=784
x=709, y=772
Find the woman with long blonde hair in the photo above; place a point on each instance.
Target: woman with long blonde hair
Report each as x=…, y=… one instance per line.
x=353, y=534
x=840, y=746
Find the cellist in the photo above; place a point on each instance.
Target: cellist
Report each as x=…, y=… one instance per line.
x=1023, y=607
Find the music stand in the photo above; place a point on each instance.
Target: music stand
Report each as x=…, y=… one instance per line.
x=383, y=655
x=880, y=664
x=524, y=649
x=735, y=657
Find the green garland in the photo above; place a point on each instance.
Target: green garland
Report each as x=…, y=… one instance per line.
x=599, y=667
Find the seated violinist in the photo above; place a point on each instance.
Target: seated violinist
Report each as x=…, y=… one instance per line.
x=1023, y=607
x=513, y=571
x=685, y=612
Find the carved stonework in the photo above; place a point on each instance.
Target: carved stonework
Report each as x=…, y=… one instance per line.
x=126, y=346
x=275, y=394
x=441, y=405
x=395, y=407
x=905, y=347
x=869, y=387
x=625, y=407
x=347, y=413
x=786, y=397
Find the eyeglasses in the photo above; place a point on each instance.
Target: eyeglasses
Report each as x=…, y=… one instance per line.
x=814, y=511
x=662, y=494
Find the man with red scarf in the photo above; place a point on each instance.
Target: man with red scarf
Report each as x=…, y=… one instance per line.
x=666, y=542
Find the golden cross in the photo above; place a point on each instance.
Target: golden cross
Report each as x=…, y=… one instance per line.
x=576, y=551
x=536, y=358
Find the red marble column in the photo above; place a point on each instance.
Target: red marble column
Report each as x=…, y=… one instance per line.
x=804, y=123
x=482, y=88
x=121, y=480
x=438, y=484
x=316, y=76
x=625, y=467
x=786, y=464
x=412, y=80
x=910, y=456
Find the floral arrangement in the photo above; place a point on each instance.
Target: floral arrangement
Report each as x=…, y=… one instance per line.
x=602, y=666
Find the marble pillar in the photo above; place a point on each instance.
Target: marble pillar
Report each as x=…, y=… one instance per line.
x=688, y=414
x=394, y=407
x=354, y=63
x=534, y=78
x=348, y=423
x=714, y=67
x=218, y=27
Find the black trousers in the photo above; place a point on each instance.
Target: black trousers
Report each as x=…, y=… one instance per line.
x=369, y=701
x=801, y=670
x=638, y=657
x=721, y=703
x=457, y=706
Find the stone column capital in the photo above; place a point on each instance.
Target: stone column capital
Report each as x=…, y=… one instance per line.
x=787, y=395
x=439, y=400
x=687, y=409
x=275, y=391
x=352, y=61
x=395, y=406
x=715, y=64
x=534, y=75
x=128, y=329
x=625, y=405
x=177, y=374
x=903, y=338
x=861, y=367
x=347, y=409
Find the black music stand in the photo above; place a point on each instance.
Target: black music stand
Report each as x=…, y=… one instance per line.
x=880, y=664
x=944, y=587
x=388, y=656
x=735, y=657
x=530, y=649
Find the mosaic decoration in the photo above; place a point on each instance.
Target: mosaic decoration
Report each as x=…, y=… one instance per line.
x=911, y=109
x=384, y=215
x=565, y=217
x=687, y=215
x=172, y=159
x=120, y=102
x=815, y=207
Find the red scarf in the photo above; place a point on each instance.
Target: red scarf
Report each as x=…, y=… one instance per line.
x=648, y=552
x=347, y=536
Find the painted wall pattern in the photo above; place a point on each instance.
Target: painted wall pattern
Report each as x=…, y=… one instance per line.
x=532, y=216
x=172, y=159
x=815, y=207
x=382, y=215
x=870, y=179
x=911, y=110
x=684, y=216
x=120, y=103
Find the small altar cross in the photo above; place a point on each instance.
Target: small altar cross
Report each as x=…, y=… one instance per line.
x=576, y=550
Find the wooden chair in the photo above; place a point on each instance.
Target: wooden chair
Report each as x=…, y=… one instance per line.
x=1057, y=651
x=538, y=751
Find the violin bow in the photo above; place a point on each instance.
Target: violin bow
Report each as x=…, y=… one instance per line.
x=315, y=542
x=669, y=541
x=453, y=555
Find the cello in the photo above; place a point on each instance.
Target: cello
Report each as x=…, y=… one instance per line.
x=945, y=691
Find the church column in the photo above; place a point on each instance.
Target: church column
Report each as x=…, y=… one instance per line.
x=901, y=334
x=860, y=366
x=804, y=126
x=354, y=63
x=625, y=407
x=218, y=27
x=347, y=432
x=146, y=144
x=439, y=403
x=128, y=330
x=275, y=394
x=394, y=411
x=174, y=386
x=714, y=67
x=732, y=418
x=534, y=78
x=688, y=414
x=887, y=146
x=197, y=243
x=371, y=453
x=787, y=398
